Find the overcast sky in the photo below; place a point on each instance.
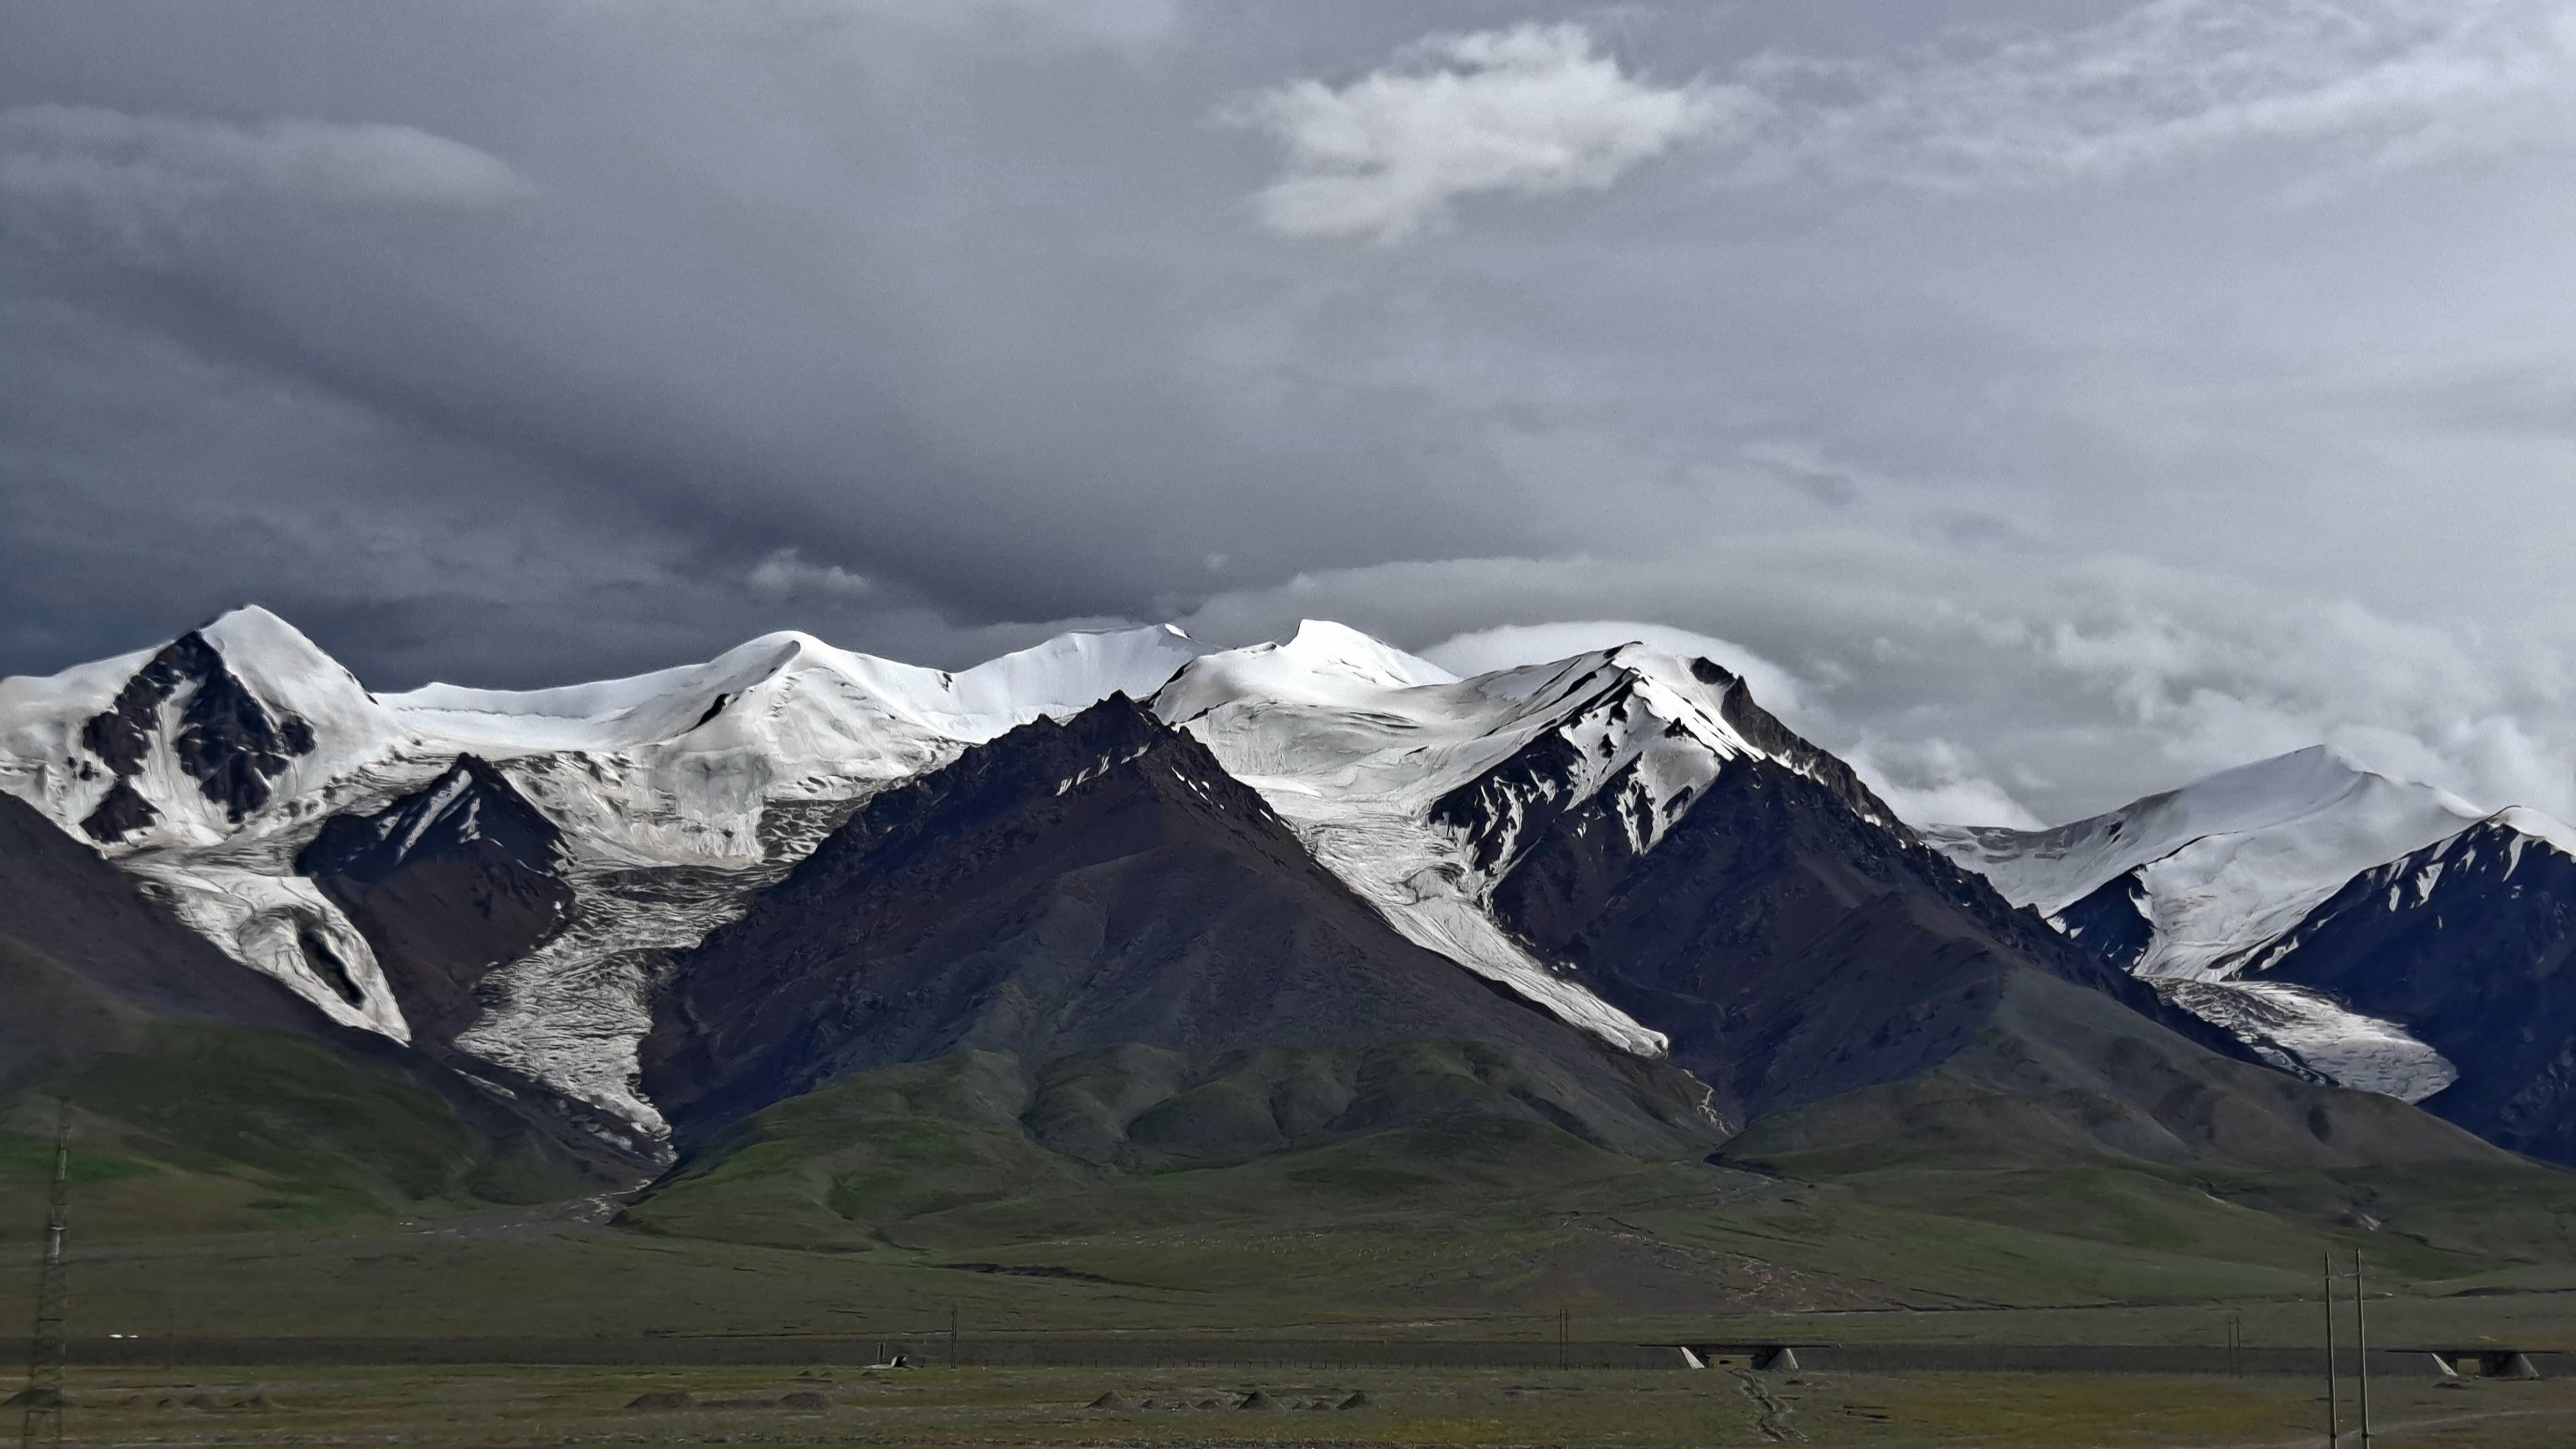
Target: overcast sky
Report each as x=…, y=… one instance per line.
x=2060, y=398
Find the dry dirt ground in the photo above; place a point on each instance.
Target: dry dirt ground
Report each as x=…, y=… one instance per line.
x=836, y=1405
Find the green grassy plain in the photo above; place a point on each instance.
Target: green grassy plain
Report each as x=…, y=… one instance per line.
x=1656, y=1252
x=245, y=1187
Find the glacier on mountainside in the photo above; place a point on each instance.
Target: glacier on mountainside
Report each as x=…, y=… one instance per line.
x=1364, y=750
x=2306, y=1030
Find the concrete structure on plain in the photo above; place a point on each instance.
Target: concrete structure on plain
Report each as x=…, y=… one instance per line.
x=1763, y=1357
x=2491, y=1363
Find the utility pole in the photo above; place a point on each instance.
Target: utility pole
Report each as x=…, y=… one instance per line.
x=45, y=1351
x=2334, y=1431
x=2361, y=1340
x=952, y=1335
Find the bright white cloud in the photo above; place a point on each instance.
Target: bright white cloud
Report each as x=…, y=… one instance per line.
x=784, y=575
x=1534, y=110
x=2482, y=717
x=69, y=172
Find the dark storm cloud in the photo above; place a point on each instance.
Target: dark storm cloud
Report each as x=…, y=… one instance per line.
x=2056, y=392
x=721, y=285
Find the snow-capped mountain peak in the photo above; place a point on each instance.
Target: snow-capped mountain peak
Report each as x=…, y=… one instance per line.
x=2314, y=789
x=188, y=743
x=1322, y=645
x=1324, y=666
x=2219, y=866
x=2277, y=899
x=1422, y=790
x=851, y=696
x=276, y=659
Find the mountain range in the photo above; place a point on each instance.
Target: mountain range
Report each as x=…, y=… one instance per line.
x=1159, y=902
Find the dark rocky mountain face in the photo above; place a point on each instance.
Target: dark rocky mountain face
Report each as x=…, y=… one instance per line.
x=1791, y=948
x=1803, y=950
x=446, y=883
x=2111, y=921
x=2058, y=1073
x=228, y=742
x=95, y=955
x=1088, y=886
x=1764, y=732
x=2468, y=944
x=1546, y=786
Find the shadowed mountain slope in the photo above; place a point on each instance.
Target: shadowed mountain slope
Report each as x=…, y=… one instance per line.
x=2471, y=942
x=88, y=961
x=1086, y=887
x=446, y=883
x=1796, y=950
x=213, y=1089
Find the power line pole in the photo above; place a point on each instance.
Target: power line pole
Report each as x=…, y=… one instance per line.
x=2361, y=1340
x=2334, y=1431
x=45, y=1351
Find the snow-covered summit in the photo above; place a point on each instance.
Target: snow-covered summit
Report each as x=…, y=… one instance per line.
x=2241, y=893
x=216, y=731
x=783, y=711
x=2222, y=865
x=847, y=699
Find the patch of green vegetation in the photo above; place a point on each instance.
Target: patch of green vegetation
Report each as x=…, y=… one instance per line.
x=1416, y=1191
x=204, y=1128
x=1423, y=1176
x=975, y=1149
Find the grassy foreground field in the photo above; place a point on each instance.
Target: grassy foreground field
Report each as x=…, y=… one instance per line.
x=842, y=1219
x=938, y=1407
x=1650, y=1252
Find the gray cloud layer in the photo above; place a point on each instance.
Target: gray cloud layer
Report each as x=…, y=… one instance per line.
x=2066, y=399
